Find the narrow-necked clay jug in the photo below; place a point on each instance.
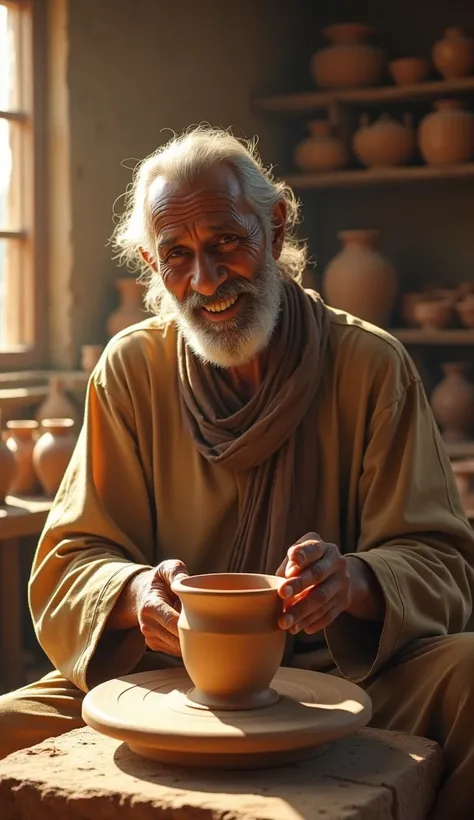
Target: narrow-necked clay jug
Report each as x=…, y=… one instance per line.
x=350, y=62
x=321, y=151
x=384, y=143
x=56, y=405
x=360, y=280
x=8, y=467
x=446, y=136
x=21, y=442
x=52, y=453
x=453, y=56
x=452, y=401
x=130, y=310
x=230, y=640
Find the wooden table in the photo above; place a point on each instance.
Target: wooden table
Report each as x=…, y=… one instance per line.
x=19, y=517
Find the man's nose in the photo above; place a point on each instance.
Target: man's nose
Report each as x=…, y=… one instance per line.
x=207, y=275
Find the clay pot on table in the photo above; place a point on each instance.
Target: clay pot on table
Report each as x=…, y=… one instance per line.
x=446, y=136
x=22, y=434
x=8, y=467
x=130, y=310
x=350, y=62
x=52, y=453
x=230, y=641
x=433, y=313
x=465, y=310
x=452, y=401
x=409, y=70
x=321, y=151
x=360, y=280
x=384, y=143
x=453, y=56
x=90, y=355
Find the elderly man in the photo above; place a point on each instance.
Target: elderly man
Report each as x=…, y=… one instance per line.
x=248, y=427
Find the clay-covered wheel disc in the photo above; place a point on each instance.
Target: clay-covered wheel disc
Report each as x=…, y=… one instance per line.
x=150, y=711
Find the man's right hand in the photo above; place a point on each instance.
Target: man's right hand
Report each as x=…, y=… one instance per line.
x=158, y=607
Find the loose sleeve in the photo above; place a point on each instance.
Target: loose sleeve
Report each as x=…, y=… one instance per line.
x=413, y=535
x=98, y=535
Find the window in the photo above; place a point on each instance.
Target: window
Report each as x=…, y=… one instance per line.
x=22, y=311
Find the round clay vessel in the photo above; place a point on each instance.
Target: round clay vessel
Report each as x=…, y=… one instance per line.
x=321, y=151
x=21, y=441
x=349, y=62
x=409, y=70
x=409, y=300
x=8, y=467
x=56, y=405
x=52, y=453
x=452, y=401
x=433, y=314
x=130, y=310
x=446, y=136
x=359, y=280
x=465, y=309
x=90, y=355
x=384, y=143
x=453, y=56
x=230, y=640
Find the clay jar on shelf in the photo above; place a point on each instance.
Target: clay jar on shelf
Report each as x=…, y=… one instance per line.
x=384, y=143
x=453, y=56
x=321, y=151
x=446, y=136
x=22, y=434
x=452, y=401
x=409, y=70
x=433, y=313
x=465, y=309
x=8, y=467
x=52, y=453
x=360, y=280
x=350, y=62
x=230, y=640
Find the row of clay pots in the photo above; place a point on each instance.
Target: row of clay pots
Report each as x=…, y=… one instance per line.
x=452, y=401
x=440, y=308
x=352, y=62
x=444, y=137
x=31, y=456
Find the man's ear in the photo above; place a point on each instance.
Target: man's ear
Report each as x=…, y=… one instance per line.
x=147, y=257
x=278, y=228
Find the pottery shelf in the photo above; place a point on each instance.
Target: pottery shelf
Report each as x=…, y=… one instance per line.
x=460, y=449
x=417, y=336
x=308, y=101
x=381, y=176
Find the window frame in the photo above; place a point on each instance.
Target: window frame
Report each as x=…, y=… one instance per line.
x=32, y=309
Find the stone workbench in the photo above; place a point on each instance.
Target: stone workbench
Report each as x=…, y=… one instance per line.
x=373, y=775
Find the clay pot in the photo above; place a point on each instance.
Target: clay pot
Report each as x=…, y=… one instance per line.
x=433, y=314
x=409, y=70
x=453, y=56
x=385, y=143
x=230, y=640
x=21, y=441
x=8, y=467
x=409, y=301
x=465, y=309
x=56, y=405
x=90, y=355
x=446, y=136
x=52, y=453
x=130, y=310
x=321, y=151
x=360, y=280
x=452, y=401
x=349, y=62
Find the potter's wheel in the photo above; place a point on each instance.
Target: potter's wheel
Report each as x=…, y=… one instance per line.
x=151, y=712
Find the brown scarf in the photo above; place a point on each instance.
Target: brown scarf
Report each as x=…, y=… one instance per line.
x=269, y=443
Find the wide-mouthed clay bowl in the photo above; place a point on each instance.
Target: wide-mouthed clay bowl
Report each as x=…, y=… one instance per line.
x=230, y=640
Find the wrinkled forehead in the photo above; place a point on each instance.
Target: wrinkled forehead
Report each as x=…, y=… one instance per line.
x=214, y=191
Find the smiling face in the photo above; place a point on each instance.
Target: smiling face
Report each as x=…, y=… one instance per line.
x=217, y=264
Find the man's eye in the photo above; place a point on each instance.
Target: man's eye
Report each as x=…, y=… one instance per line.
x=229, y=239
x=176, y=253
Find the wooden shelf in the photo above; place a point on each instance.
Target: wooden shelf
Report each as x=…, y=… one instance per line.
x=321, y=100
x=380, y=176
x=461, y=449
x=415, y=336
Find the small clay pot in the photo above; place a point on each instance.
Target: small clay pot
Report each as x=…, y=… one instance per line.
x=433, y=314
x=90, y=355
x=446, y=136
x=465, y=309
x=321, y=151
x=453, y=56
x=230, y=640
x=349, y=62
x=452, y=401
x=56, y=405
x=52, y=453
x=22, y=434
x=408, y=302
x=8, y=467
x=384, y=143
x=409, y=70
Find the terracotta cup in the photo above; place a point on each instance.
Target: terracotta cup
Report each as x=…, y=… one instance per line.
x=230, y=640
x=409, y=70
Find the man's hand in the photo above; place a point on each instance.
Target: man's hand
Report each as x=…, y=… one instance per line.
x=158, y=607
x=321, y=583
